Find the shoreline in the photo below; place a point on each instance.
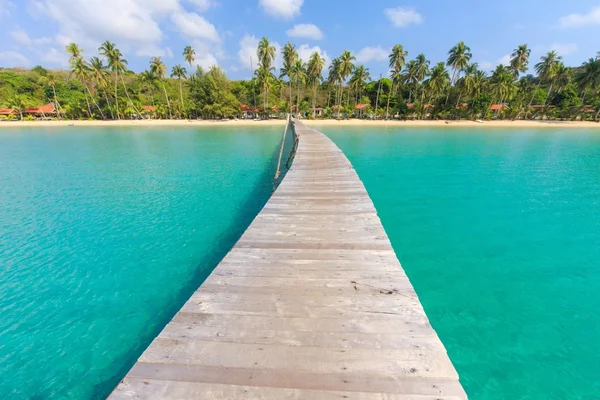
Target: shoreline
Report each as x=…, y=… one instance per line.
x=312, y=123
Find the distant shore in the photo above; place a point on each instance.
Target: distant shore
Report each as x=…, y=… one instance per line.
x=315, y=123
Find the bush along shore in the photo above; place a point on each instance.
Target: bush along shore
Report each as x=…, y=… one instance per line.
x=103, y=88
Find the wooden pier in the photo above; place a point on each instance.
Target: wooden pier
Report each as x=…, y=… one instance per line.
x=311, y=303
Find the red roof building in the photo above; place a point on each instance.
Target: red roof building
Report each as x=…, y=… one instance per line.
x=361, y=106
x=7, y=111
x=47, y=109
x=149, y=108
x=497, y=107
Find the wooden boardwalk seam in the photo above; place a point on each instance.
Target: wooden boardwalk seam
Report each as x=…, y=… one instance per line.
x=311, y=303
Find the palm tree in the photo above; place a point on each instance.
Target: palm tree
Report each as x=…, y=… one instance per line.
x=315, y=75
x=546, y=70
x=458, y=58
x=467, y=82
x=265, y=53
x=438, y=81
x=588, y=78
x=502, y=86
x=81, y=72
x=50, y=80
x=298, y=74
x=358, y=81
x=422, y=70
x=410, y=77
x=109, y=51
x=397, y=60
x=159, y=69
x=75, y=51
x=346, y=68
x=562, y=76
x=99, y=72
x=180, y=73
x=290, y=55
x=265, y=80
x=520, y=60
x=189, y=55
x=148, y=79
x=333, y=78
x=17, y=103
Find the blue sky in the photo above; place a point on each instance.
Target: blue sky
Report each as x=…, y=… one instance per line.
x=225, y=32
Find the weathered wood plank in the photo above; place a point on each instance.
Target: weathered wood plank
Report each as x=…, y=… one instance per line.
x=311, y=303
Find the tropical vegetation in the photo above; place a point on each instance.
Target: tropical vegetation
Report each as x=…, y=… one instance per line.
x=103, y=87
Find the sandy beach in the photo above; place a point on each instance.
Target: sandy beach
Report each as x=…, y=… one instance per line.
x=313, y=123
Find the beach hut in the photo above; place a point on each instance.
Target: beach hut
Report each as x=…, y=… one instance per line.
x=359, y=110
x=47, y=111
x=498, y=107
x=7, y=113
x=248, y=112
x=317, y=111
x=149, y=111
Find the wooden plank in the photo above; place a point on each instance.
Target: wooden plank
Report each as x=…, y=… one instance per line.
x=311, y=303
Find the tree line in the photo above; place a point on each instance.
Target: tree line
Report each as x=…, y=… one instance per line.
x=102, y=87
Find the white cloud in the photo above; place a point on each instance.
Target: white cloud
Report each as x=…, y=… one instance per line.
x=13, y=59
x=504, y=60
x=580, y=20
x=195, y=26
x=368, y=54
x=308, y=31
x=55, y=57
x=154, y=51
x=136, y=27
x=402, y=17
x=22, y=38
x=485, y=65
x=248, y=47
x=202, y=5
x=305, y=51
x=564, y=49
x=247, y=53
x=205, y=60
x=5, y=7
x=285, y=9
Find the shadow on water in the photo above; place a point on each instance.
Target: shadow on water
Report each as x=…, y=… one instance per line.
x=251, y=207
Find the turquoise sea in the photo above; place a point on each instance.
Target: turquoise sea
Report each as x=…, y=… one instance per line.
x=499, y=232
x=104, y=234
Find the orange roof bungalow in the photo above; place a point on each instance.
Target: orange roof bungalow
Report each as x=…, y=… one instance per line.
x=360, y=109
x=498, y=107
x=7, y=111
x=462, y=106
x=318, y=111
x=249, y=112
x=427, y=106
x=149, y=108
x=42, y=111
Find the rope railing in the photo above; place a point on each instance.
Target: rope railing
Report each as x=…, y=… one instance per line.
x=278, y=171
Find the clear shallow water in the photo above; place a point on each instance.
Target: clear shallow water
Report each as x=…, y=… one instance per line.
x=104, y=233
x=499, y=231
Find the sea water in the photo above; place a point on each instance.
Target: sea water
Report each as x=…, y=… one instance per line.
x=499, y=232
x=104, y=234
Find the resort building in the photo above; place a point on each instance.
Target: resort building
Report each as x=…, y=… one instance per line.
x=47, y=111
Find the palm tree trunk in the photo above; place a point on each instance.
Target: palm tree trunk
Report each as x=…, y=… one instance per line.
x=387, y=109
x=377, y=99
x=129, y=98
x=94, y=100
x=167, y=97
x=56, y=102
x=546, y=100
x=117, y=94
x=297, y=97
x=181, y=95
x=112, y=116
x=88, y=102
x=291, y=95
x=314, y=100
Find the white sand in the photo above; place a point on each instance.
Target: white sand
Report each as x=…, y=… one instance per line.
x=315, y=123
